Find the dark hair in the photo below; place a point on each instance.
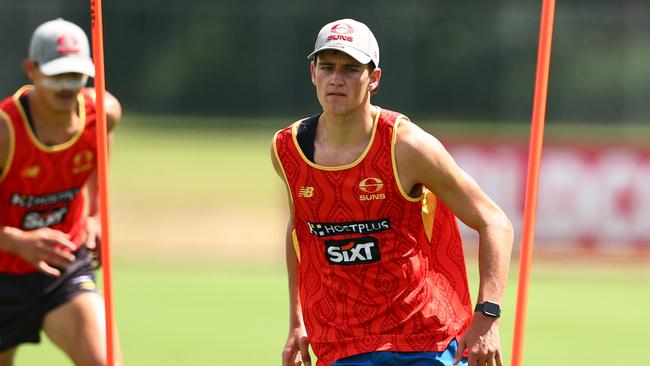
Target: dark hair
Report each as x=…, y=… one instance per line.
x=371, y=66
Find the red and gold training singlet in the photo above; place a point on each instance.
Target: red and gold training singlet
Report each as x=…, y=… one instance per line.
x=43, y=186
x=379, y=270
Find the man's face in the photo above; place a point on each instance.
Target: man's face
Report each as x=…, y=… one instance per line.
x=342, y=83
x=58, y=91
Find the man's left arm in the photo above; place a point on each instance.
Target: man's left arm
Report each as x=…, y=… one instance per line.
x=93, y=223
x=421, y=159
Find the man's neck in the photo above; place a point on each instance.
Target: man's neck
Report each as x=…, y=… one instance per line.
x=342, y=139
x=346, y=130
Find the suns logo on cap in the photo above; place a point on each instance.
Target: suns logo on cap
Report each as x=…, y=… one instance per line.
x=67, y=44
x=342, y=28
x=371, y=188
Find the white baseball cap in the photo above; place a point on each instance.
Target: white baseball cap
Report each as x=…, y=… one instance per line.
x=59, y=46
x=351, y=37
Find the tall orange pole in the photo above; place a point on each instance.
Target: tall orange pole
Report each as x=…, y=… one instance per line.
x=532, y=177
x=102, y=163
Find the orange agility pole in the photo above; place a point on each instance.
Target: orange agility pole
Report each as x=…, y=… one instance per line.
x=532, y=178
x=102, y=163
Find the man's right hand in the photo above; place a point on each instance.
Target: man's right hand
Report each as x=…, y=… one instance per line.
x=45, y=249
x=296, y=350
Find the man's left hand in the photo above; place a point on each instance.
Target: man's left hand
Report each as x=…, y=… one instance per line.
x=93, y=241
x=481, y=341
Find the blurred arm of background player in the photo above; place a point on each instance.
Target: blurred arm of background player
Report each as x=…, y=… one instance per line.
x=296, y=349
x=93, y=222
x=422, y=160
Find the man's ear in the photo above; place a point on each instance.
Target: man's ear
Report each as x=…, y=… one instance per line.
x=30, y=68
x=312, y=68
x=375, y=76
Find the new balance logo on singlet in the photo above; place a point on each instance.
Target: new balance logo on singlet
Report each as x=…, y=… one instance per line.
x=306, y=192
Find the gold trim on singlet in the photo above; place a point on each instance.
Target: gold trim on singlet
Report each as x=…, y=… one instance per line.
x=429, y=205
x=394, y=159
x=296, y=245
x=277, y=159
x=294, y=237
x=294, y=134
x=12, y=145
x=30, y=132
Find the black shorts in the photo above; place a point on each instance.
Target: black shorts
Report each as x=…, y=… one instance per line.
x=26, y=299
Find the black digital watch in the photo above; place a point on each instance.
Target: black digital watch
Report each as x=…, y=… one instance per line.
x=489, y=308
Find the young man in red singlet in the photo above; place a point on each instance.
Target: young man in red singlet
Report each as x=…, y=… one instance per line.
x=48, y=204
x=375, y=261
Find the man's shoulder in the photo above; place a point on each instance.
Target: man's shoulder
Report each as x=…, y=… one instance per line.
x=412, y=139
x=5, y=139
x=4, y=128
x=407, y=130
x=6, y=101
x=391, y=114
x=112, y=106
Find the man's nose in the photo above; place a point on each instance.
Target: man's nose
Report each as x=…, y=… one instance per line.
x=337, y=77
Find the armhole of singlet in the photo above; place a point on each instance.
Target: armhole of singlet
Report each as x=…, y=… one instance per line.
x=12, y=145
x=294, y=237
x=405, y=195
x=306, y=136
x=284, y=173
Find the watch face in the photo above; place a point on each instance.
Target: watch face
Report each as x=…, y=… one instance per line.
x=491, y=308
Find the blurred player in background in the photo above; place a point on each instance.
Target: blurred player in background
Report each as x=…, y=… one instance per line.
x=49, y=224
x=375, y=261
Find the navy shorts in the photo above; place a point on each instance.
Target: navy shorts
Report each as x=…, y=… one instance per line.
x=389, y=358
x=26, y=299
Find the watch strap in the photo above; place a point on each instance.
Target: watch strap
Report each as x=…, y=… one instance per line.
x=489, y=308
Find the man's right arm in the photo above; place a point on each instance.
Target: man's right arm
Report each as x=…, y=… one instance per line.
x=296, y=348
x=44, y=248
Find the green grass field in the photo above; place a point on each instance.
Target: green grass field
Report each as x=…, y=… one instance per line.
x=215, y=315
x=195, y=298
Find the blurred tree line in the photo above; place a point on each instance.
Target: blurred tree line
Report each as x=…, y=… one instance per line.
x=467, y=60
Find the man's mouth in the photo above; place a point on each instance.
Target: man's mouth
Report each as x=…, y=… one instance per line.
x=65, y=95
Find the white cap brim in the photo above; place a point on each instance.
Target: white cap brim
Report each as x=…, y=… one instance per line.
x=64, y=65
x=353, y=52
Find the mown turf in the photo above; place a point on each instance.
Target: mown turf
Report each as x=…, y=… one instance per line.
x=237, y=315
